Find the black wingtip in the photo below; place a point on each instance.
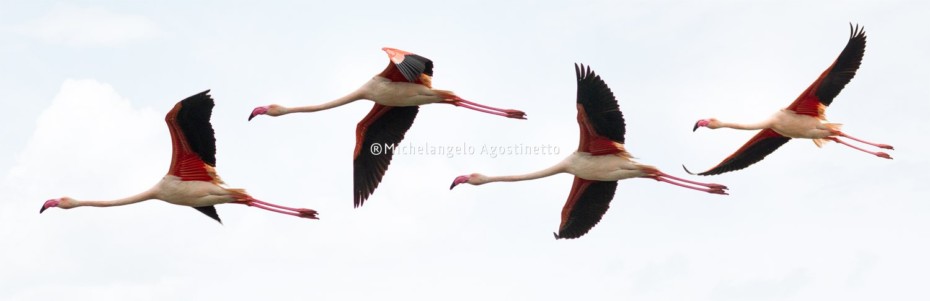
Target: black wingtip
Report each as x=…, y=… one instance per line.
x=688, y=171
x=556, y=235
x=856, y=31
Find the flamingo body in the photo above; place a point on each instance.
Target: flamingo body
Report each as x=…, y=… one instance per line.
x=804, y=118
x=398, y=91
x=191, y=179
x=600, y=161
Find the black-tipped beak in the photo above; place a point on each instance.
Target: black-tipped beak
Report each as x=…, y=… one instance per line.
x=696, y=126
x=42, y=209
x=251, y=116
x=458, y=180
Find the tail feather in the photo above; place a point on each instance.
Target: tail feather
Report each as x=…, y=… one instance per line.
x=446, y=94
x=239, y=194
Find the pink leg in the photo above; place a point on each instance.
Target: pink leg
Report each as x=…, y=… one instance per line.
x=714, y=190
x=480, y=109
x=488, y=109
x=885, y=146
x=298, y=212
x=880, y=154
x=709, y=185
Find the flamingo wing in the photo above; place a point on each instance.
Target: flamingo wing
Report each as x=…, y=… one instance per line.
x=193, y=144
x=761, y=145
x=209, y=211
x=587, y=203
x=384, y=127
x=821, y=93
x=408, y=67
x=599, y=118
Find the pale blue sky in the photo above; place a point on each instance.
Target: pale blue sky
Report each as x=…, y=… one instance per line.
x=85, y=86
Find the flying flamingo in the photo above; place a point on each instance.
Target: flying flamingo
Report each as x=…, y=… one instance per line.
x=398, y=91
x=803, y=118
x=600, y=161
x=191, y=179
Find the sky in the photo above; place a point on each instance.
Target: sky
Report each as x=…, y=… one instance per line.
x=85, y=85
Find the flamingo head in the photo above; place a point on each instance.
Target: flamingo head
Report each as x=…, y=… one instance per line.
x=64, y=203
x=474, y=179
x=270, y=110
x=710, y=123
x=396, y=55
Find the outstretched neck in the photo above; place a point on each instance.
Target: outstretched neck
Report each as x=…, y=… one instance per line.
x=558, y=168
x=147, y=195
x=746, y=126
x=355, y=95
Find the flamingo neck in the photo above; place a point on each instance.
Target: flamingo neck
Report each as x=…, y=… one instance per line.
x=555, y=169
x=750, y=126
x=348, y=98
x=147, y=195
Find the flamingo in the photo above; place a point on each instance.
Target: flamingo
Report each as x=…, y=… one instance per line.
x=600, y=161
x=803, y=118
x=398, y=91
x=191, y=179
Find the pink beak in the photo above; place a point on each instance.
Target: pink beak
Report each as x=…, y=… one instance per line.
x=49, y=204
x=700, y=123
x=258, y=111
x=458, y=180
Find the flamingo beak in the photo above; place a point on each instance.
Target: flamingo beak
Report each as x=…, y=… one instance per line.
x=49, y=204
x=700, y=123
x=458, y=180
x=258, y=111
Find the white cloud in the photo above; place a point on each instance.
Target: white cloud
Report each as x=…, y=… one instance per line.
x=89, y=27
x=90, y=142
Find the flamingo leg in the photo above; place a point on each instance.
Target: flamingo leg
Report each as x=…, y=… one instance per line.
x=879, y=154
x=879, y=145
x=714, y=190
x=708, y=185
x=487, y=109
x=298, y=212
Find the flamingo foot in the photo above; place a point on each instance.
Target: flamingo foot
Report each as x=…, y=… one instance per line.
x=883, y=155
x=885, y=146
x=717, y=186
x=307, y=213
x=517, y=114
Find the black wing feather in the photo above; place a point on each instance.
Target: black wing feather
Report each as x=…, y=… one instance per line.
x=209, y=211
x=599, y=104
x=413, y=65
x=388, y=129
x=194, y=120
x=752, y=153
x=845, y=66
x=588, y=210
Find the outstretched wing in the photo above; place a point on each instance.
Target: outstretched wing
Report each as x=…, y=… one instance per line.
x=408, y=67
x=384, y=127
x=761, y=145
x=821, y=93
x=192, y=142
x=193, y=145
x=599, y=118
x=587, y=203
